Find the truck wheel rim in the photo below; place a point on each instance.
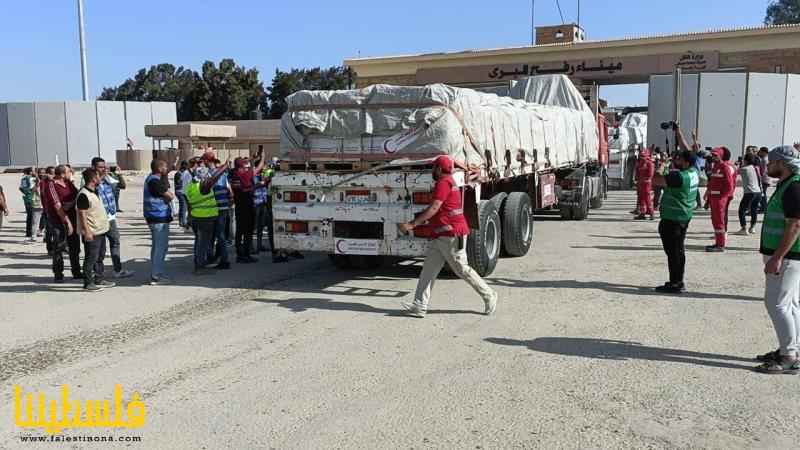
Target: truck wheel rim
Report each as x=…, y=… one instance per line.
x=526, y=224
x=491, y=238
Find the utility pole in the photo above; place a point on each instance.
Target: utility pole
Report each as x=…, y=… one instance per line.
x=84, y=70
x=579, y=13
x=533, y=25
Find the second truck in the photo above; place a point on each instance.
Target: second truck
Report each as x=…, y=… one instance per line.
x=357, y=163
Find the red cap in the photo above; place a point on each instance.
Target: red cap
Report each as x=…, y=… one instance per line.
x=718, y=152
x=445, y=163
x=209, y=156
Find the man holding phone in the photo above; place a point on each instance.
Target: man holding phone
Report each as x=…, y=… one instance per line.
x=780, y=245
x=449, y=231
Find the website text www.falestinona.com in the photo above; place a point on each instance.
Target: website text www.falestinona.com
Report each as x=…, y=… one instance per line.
x=77, y=438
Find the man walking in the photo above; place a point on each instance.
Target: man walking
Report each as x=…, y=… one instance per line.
x=721, y=188
x=446, y=219
x=677, y=209
x=260, y=196
x=763, y=160
x=62, y=217
x=92, y=226
x=105, y=190
x=780, y=245
x=158, y=214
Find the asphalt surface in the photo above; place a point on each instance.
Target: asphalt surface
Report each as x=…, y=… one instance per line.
x=582, y=353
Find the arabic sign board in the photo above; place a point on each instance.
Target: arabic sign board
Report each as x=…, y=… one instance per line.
x=588, y=69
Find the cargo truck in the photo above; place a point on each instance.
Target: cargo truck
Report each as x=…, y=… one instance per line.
x=357, y=163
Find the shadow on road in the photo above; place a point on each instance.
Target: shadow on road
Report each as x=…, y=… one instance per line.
x=612, y=287
x=622, y=351
x=298, y=305
x=690, y=248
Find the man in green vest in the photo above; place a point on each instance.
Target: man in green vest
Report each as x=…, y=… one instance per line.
x=677, y=209
x=203, y=211
x=780, y=245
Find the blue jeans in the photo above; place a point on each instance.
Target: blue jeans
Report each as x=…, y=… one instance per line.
x=159, y=235
x=183, y=210
x=222, y=233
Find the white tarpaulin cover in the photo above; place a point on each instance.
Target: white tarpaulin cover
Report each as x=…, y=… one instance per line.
x=390, y=122
x=632, y=132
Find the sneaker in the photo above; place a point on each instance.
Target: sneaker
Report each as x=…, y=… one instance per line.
x=159, y=281
x=415, y=310
x=742, y=232
x=672, y=288
x=652, y=217
x=105, y=284
x=715, y=249
x=640, y=217
x=491, y=304
x=752, y=231
x=92, y=288
x=123, y=274
x=58, y=279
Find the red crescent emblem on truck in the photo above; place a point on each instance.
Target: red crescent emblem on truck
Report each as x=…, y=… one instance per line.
x=337, y=246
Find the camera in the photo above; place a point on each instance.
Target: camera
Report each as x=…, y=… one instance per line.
x=671, y=125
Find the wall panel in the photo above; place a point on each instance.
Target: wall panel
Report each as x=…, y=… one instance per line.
x=5, y=151
x=766, y=98
x=137, y=115
x=81, y=119
x=721, y=112
x=111, y=129
x=22, y=134
x=791, y=128
x=51, y=133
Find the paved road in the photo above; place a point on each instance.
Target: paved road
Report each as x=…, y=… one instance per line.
x=581, y=354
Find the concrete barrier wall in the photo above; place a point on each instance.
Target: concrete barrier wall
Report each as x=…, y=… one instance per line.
x=75, y=132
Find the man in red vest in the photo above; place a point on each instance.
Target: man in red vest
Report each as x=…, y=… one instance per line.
x=445, y=218
x=645, y=170
x=721, y=187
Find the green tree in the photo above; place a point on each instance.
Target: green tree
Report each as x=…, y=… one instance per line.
x=228, y=91
x=159, y=83
x=224, y=92
x=781, y=12
x=285, y=84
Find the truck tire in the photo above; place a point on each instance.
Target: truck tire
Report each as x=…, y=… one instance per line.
x=517, y=224
x=597, y=202
x=581, y=210
x=483, y=245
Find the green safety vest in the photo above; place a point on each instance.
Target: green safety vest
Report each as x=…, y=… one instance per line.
x=202, y=206
x=775, y=220
x=678, y=203
x=267, y=173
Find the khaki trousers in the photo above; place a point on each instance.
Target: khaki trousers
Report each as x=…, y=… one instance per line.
x=445, y=249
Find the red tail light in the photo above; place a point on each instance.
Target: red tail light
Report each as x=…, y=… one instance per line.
x=297, y=227
x=294, y=196
x=357, y=193
x=422, y=198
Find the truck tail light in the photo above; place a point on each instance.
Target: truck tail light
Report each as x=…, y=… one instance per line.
x=294, y=196
x=422, y=198
x=360, y=193
x=297, y=227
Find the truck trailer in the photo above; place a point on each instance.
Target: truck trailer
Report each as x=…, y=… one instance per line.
x=357, y=163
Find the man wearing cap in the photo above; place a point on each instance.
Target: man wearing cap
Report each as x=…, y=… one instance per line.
x=445, y=217
x=780, y=245
x=721, y=187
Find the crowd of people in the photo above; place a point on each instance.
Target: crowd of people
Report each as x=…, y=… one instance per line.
x=223, y=205
x=677, y=178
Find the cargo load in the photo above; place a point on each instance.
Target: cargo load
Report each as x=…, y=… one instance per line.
x=383, y=122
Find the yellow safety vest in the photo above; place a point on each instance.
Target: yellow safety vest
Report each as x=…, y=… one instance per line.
x=202, y=206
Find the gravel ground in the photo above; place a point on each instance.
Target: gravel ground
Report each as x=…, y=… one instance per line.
x=581, y=354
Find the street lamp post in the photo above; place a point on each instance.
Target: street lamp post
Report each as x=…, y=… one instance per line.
x=84, y=70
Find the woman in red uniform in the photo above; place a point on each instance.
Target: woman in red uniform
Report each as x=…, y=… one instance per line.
x=645, y=170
